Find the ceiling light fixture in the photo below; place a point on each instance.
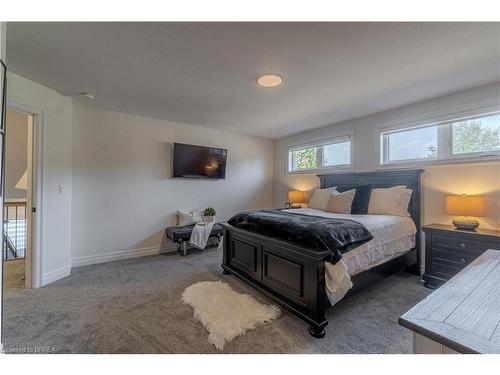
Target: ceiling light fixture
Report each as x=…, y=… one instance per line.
x=87, y=95
x=269, y=80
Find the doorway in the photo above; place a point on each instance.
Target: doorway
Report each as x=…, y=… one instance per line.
x=18, y=196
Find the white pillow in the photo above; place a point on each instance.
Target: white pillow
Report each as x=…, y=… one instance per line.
x=320, y=199
x=341, y=202
x=405, y=202
x=188, y=218
x=390, y=201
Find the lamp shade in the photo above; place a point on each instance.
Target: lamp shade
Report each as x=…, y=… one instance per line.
x=296, y=196
x=465, y=205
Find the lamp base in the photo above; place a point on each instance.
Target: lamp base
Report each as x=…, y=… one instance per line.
x=465, y=223
x=292, y=205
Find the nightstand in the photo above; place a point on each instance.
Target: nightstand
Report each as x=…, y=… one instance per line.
x=449, y=250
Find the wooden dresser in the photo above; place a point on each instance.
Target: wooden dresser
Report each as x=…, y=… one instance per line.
x=462, y=316
x=449, y=250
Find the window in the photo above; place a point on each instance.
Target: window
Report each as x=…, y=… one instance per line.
x=331, y=154
x=336, y=154
x=467, y=137
x=410, y=144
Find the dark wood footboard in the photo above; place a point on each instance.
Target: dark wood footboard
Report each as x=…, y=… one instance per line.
x=292, y=276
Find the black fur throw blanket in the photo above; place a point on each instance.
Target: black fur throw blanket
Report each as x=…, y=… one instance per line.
x=313, y=232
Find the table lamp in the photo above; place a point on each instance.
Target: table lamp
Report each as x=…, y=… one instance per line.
x=467, y=208
x=295, y=198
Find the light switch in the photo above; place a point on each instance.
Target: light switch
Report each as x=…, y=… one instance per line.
x=61, y=189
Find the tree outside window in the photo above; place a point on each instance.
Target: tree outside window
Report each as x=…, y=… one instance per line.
x=475, y=136
x=305, y=158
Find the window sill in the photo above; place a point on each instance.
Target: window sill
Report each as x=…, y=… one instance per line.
x=320, y=170
x=458, y=160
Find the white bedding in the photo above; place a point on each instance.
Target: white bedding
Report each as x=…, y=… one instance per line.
x=392, y=236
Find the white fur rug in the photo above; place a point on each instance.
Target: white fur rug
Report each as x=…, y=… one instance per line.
x=225, y=313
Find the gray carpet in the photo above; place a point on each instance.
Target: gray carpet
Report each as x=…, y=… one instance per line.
x=133, y=306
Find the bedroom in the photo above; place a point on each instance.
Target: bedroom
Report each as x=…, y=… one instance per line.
x=337, y=185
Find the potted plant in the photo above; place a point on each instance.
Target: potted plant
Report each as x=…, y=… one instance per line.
x=208, y=214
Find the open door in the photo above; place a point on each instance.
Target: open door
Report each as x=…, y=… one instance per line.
x=17, y=228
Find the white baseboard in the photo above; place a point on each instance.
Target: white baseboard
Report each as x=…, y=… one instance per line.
x=55, y=275
x=117, y=255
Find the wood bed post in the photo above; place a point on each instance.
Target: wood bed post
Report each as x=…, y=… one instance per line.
x=225, y=250
x=317, y=298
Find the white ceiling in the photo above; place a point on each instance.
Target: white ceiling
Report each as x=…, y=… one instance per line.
x=204, y=73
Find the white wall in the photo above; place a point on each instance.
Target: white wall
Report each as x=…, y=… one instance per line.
x=16, y=153
x=54, y=127
x=123, y=195
x=438, y=180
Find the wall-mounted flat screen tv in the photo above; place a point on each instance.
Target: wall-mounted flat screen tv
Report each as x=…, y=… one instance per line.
x=192, y=161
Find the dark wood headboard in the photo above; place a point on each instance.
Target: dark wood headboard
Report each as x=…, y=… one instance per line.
x=384, y=179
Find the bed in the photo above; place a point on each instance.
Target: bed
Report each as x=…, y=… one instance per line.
x=294, y=276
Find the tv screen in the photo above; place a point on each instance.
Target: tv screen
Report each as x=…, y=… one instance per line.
x=192, y=161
